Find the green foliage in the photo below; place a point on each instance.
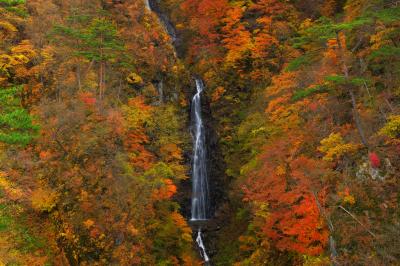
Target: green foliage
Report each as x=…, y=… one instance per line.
x=22, y=236
x=385, y=52
x=95, y=39
x=322, y=30
x=101, y=37
x=388, y=15
x=16, y=123
x=353, y=24
x=5, y=220
x=341, y=80
x=115, y=166
x=18, y=11
x=12, y=2
x=166, y=133
x=357, y=81
x=303, y=60
x=15, y=6
x=159, y=171
x=304, y=93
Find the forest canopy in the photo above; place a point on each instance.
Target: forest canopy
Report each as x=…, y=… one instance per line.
x=301, y=108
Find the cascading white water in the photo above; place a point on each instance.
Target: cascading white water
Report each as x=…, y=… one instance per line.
x=199, y=167
x=147, y=4
x=152, y=6
x=199, y=241
x=200, y=194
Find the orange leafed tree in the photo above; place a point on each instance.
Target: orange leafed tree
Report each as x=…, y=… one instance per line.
x=286, y=182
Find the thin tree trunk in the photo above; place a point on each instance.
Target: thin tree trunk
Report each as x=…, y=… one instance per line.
x=356, y=115
x=358, y=221
x=104, y=78
x=88, y=69
x=119, y=89
x=100, y=81
x=78, y=76
x=389, y=104
x=332, y=243
x=357, y=118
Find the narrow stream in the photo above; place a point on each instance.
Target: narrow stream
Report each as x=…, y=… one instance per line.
x=200, y=189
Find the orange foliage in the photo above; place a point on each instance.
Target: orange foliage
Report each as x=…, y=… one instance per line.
x=87, y=98
x=139, y=156
x=237, y=39
x=171, y=152
x=205, y=17
x=217, y=94
x=294, y=222
x=166, y=191
x=136, y=138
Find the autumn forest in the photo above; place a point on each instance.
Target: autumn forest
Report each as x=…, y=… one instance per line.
x=199, y=132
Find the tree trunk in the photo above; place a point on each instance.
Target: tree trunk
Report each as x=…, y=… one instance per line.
x=78, y=76
x=356, y=115
x=100, y=80
x=357, y=118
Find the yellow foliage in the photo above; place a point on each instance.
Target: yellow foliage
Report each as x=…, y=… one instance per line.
x=349, y=199
x=7, y=30
x=137, y=113
x=11, y=191
x=379, y=39
x=21, y=54
x=334, y=147
x=316, y=261
x=134, y=79
x=180, y=26
x=88, y=223
x=181, y=223
x=26, y=48
x=280, y=170
x=171, y=152
x=44, y=199
x=133, y=230
x=392, y=127
x=262, y=210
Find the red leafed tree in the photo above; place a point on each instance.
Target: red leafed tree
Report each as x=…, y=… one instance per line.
x=204, y=17
x=286, y=183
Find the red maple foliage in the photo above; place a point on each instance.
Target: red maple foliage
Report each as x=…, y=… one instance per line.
x=286, y=183
x=374, y=160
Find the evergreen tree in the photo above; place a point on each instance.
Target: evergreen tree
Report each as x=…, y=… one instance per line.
x=16, y=125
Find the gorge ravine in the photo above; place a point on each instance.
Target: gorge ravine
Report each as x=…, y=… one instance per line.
x=200, y=199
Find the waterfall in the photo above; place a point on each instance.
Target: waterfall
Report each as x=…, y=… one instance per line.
x=153, y=6
x=199, y=241
x=200, y=193
x=147, y=4
x=199, y=167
